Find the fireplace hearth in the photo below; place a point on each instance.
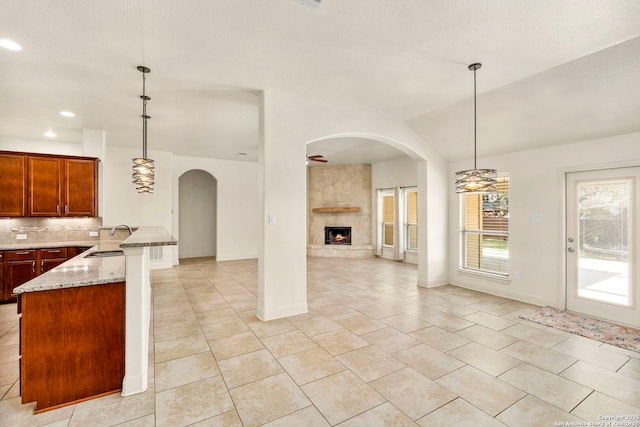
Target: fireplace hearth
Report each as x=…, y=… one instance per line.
x=337, y=235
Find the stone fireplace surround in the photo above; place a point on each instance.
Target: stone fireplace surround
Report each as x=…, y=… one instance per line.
x=344, y=191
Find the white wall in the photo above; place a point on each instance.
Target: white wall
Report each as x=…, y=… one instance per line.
x=40, y=146
x=123, y=204
x=536, y=186
x=238, y=212
x=400, y=172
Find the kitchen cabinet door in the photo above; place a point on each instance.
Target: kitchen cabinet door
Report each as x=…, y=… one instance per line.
x=14, y=185
x=81, y=187
x=17, y=273
x=72, y=343
x=45, y=176
x=48, y=264
x=51, y=258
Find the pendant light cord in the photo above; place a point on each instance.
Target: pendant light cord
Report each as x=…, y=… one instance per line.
x=475, y=121
x=144, y=117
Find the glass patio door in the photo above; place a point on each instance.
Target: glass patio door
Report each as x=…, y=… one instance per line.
x=601, y=244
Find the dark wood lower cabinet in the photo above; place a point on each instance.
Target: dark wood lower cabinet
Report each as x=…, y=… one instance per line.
x=51, y=258
x=72, y=344
x=19, y=268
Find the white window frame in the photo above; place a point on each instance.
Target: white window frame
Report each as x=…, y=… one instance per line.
x=464, y=232
x=406, y=225
x=381, y=195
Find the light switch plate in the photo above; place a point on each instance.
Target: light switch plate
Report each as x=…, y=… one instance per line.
x=21, y=237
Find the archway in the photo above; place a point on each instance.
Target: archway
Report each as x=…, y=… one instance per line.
x=377, y=163
x=197, y=222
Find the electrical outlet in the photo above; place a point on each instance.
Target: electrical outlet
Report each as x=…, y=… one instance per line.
x=93, y=234
x=21, y=237
x=516, y=275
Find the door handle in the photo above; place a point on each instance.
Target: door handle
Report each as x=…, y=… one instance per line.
x=570, y=239
x=570, y=249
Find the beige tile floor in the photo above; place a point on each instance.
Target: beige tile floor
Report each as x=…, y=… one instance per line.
x=373, y=350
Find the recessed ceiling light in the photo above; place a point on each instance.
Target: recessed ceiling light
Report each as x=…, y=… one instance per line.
x=50, y=134
x=10, y=44
x=67, y=114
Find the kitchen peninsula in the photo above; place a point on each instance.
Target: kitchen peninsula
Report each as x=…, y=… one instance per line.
x=85, y=324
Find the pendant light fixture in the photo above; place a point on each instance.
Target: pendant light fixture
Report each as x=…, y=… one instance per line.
x=476, y=181
x=143, y=168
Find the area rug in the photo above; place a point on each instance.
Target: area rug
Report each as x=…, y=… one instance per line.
x=609, y=333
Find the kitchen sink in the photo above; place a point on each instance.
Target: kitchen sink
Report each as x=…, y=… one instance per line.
x=103, y=254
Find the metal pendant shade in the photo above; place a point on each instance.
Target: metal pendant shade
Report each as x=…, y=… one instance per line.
x=476, y=181
x=143, y=168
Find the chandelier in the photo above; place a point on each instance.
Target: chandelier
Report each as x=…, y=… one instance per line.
x=476, y=181
x=143, y=168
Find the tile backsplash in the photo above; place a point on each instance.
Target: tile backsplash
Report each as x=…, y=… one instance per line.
x=39, y=230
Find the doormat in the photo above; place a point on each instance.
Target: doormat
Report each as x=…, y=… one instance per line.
x=609, y=333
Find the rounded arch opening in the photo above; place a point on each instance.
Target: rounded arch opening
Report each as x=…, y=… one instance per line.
x=362, y=164
x=197, y=214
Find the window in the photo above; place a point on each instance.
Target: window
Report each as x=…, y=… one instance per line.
x=397, y=221
x=411, y=218
x=484, y=230
x=388, y=217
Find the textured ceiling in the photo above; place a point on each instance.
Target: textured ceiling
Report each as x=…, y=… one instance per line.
x=553, y=71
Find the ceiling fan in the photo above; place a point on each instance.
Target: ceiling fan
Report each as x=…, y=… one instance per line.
x=316, y=158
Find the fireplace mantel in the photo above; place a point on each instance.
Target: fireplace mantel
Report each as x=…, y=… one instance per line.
x=337, y=209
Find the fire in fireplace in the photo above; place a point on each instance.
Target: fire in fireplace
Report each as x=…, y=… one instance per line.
x=337, y=235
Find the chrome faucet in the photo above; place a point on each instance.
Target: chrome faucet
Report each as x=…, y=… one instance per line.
x=113, y=230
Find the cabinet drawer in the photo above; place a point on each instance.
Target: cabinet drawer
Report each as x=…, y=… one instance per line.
x=20, y=255
x=53, y=253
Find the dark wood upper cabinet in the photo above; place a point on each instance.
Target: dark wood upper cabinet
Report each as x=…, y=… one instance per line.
x=48, y=185
x=45, y=175
x=13, y=196
x=81, y=183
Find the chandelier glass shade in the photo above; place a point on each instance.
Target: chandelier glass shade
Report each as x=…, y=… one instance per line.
x=476, y=181
x=143, y=167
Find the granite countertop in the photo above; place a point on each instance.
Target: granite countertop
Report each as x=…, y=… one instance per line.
x=80, y=271
x=83, y=271
x=149, y=236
